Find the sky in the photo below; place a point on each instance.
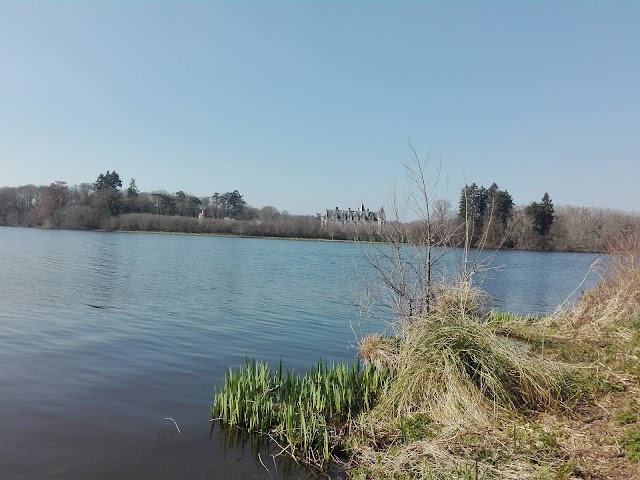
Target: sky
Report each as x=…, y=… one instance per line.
x=309, y=105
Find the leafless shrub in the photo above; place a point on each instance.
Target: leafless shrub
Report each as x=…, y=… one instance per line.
x=405, y=265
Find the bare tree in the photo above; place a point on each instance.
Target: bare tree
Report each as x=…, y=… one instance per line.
x=405, y=263
x=412, y=275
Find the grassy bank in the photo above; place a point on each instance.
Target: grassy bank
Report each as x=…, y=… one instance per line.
x=468, y=394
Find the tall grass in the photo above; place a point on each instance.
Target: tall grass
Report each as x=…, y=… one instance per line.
x=616, y=299
x=458, y=371
x=459, y=387
x=379, y=350
x=469, y=393
x=307, y=415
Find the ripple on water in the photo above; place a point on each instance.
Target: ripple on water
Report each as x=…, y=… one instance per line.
x=103, y=335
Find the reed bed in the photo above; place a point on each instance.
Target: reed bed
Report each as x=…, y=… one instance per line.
x=307, y=415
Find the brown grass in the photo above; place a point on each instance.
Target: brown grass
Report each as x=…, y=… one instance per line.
x=450, y=367
x=616, y=299
x=381, y=351
x=512, y=397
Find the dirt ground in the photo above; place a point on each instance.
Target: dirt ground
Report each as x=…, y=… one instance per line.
x=591, y=438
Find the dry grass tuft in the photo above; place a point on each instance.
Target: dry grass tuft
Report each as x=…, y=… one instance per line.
x=461, y=373
x=491, y=453
x=458, y=390
x=418, y=460
x=460, y=300
x=380, y=351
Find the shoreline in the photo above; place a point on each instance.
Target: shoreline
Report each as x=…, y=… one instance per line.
x=268, y=237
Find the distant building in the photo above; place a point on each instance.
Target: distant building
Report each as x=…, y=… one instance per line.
x=361, y=215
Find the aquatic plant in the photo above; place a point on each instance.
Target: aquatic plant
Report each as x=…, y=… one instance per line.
x=307, y=415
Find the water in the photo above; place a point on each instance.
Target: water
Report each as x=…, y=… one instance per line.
x=103, y=335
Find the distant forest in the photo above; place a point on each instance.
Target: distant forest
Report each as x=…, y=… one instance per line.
x=493, y=220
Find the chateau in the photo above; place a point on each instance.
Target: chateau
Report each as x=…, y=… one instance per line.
x=361, y=215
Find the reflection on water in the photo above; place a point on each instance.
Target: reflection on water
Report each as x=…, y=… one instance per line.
x=104, y=335
x=266, y=453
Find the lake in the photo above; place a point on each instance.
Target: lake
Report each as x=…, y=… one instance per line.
x=104, y=335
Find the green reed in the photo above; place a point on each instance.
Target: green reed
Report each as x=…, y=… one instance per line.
x=504, y=318
x=306, y=414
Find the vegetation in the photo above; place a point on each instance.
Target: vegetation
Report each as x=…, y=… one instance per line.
x=309, y=416
x=407, y=260
x=479, y=394
x=493, y=221
x=487, y=212
x=493, y=395
x=632, y=445
x=103, y=205
x=465, y=393
x=542, y=215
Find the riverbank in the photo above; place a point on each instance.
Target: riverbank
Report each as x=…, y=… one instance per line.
x=569, y=408
x=476, y=395
x=192, y=227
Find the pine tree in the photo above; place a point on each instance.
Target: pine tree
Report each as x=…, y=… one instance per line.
x=488, y=211
x=132, y=191
x=542, y=215
x=108, y=194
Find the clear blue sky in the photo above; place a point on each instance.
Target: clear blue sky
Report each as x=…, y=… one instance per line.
x=307, y=105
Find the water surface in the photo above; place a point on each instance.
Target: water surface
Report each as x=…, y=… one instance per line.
x=103, y=335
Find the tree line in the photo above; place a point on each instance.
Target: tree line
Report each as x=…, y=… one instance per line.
x=495, y=221
x=111, y=199
x=47, y=206
x=106, y=205
x=486, y=217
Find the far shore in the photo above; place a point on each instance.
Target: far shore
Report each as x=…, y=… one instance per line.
x=271, y=237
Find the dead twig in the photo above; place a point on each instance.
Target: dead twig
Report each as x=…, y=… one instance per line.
x=174, y=422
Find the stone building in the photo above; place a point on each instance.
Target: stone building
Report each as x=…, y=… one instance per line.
x=361, y=215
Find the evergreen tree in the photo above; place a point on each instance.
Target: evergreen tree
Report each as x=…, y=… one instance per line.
x=542, y=215
x=233, y=204
x=108, y=194
x=473, y=202
x=488, y=211
x=500, y=203
x=109, y=180
x=548, y=214
x=132, y=191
